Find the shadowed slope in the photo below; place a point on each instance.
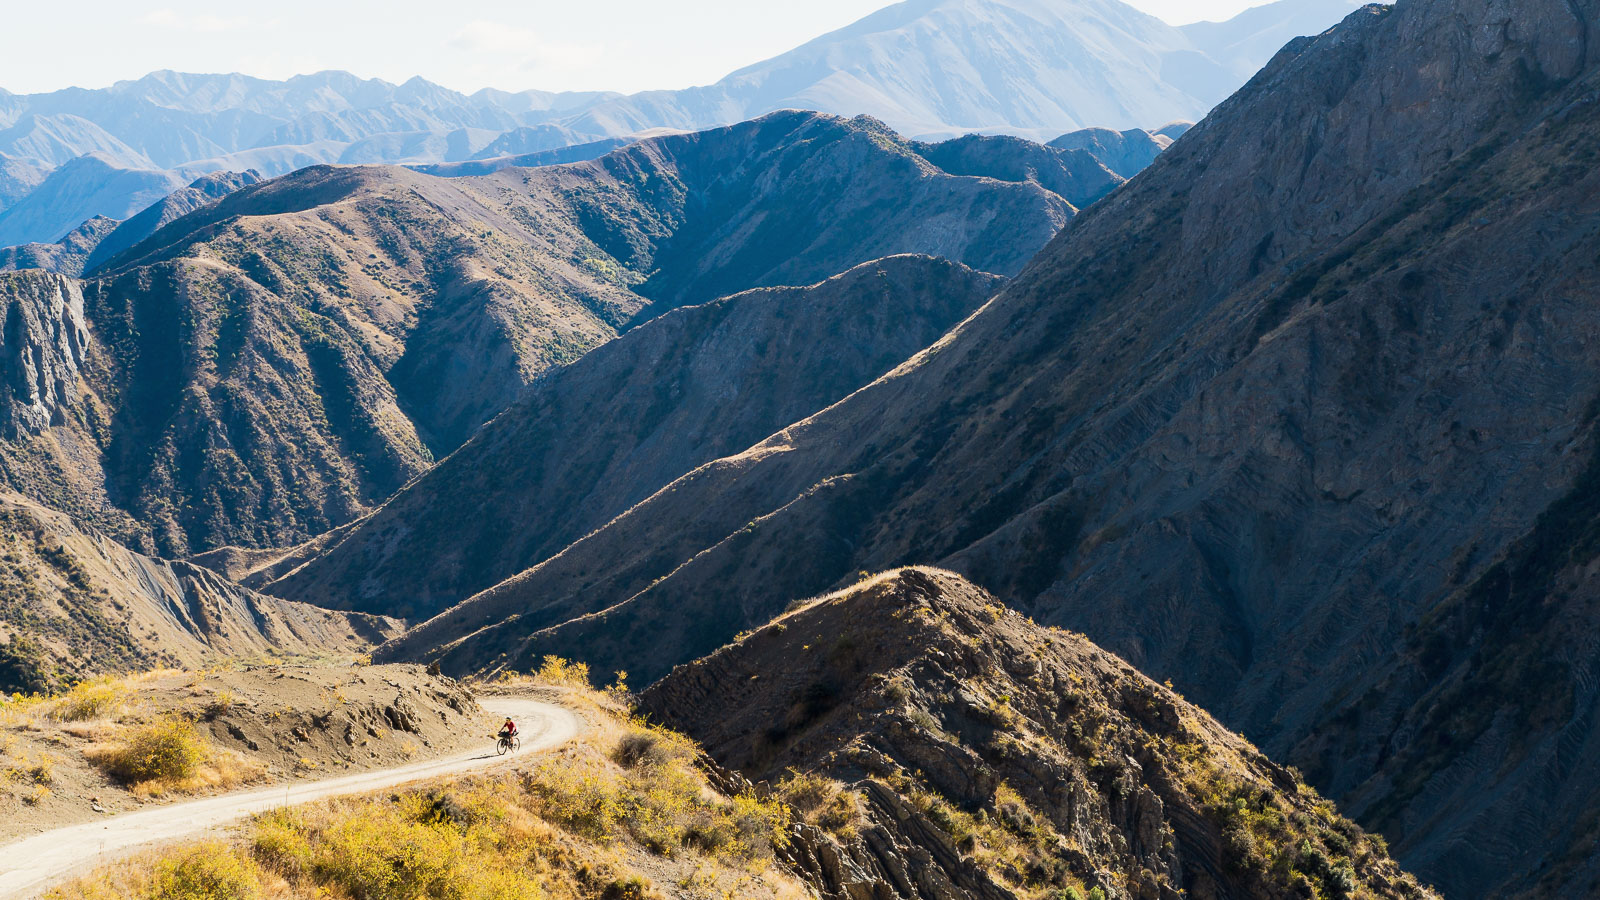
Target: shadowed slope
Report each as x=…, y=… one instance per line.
x=608, y=431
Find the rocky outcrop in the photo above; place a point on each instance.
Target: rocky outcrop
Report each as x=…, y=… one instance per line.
x=1246, y=422
x=43, y=346
x=73, y=603
x=984, y=756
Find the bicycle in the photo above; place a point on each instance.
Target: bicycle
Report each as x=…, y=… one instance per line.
x=507, y=743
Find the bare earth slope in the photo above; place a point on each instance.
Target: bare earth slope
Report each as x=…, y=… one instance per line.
x=272, y=366
x=600, y=435
x=75, y=603
x=996, y=758
x=309, y=732
x=1246, y=423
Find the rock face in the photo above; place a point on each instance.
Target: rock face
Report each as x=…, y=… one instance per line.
x=275, y=364
x=76, y=603
x=656, y=403
x=42, y=350
x=990, y=757
x=1258, y=422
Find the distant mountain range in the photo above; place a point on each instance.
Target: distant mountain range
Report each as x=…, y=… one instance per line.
x=928, y=68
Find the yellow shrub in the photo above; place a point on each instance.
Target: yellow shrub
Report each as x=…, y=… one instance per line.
x=210, y=871
x=167, y=750
x=381, y=856
x=564, y=672
x=282, y=839
x=92, y=699
x=420, y=845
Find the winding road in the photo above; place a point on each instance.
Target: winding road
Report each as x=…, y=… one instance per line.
x=31, y=865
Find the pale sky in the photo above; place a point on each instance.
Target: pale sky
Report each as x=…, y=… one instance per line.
x=621, y=45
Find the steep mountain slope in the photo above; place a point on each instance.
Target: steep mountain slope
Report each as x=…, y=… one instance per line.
x=930, y=68
x=75, y=603
x=1246, y=423
x=202, y=191
x=67, y=256
x=51, y=418
x=18, y=178
x=945, y=67
x=55, y=140
x=277, y=363
x=989, y=757
x=942, y=68
x=101, y=238
x=663, y=399
x=89, y=186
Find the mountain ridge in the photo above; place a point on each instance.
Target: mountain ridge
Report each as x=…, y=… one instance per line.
x=340, y=328
x=1092, y=63
x=1020, y=760
x=77, y=604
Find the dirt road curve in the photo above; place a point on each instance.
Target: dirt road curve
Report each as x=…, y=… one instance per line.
x=30, y=865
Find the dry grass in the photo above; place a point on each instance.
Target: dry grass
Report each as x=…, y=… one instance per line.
x=101, y=698
x=823, y=802
x=604, y=819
